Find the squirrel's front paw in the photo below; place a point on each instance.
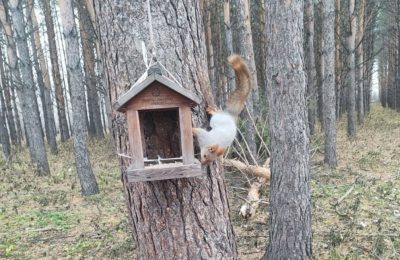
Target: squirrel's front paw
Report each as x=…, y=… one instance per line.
x=211, y=110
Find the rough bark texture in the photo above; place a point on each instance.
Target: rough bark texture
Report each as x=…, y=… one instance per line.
x=26, y=92
x=181, y=218
x=290, y=199
x=44, y=92
x=328, y=85
x=83, y=167
x=88, y=47
x=61, y=111
x=351, y=75
x=310, y=65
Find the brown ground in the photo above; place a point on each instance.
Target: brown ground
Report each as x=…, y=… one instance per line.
x=46, y=218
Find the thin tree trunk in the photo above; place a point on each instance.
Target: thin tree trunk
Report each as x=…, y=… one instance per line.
x=36, y=53
x=83, y=167
x=245, y=44
x=310, y=65
x=4, y=136
x=290, y=198
x=170, y=219
x=88, y=47
x=61, y=111
x=319, y=61
x=338, y=61
x=26, y=93
x=17, y=119
x=228, y=44
x=351, y=76
x=360, y=63
x=47, y=85
x=7, y=100
x=328, y=85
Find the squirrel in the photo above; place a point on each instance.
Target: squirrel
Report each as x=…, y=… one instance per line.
x=223, y=123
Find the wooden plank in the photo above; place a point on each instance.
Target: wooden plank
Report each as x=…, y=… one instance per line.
x=164, y=172
x=185, y=118
x=135, y=140
x=157, y=96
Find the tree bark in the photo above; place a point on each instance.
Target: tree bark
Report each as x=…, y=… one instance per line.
x=62, y=119
x=328, y=85
x=351, y=75
x=88, y=47
x=228, y=44
x=245, y=46
x=26, y=92
x=319, y=60
x=7, y=100
x=47, y=106
x=290, y=199
x=4, y=136
x=310, y=65
x=79, y=128
x=184, y=218
x=360, y=62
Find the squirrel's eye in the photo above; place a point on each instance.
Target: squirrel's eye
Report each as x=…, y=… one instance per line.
x=205, y=156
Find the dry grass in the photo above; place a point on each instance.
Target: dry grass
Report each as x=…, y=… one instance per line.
x=46, y=218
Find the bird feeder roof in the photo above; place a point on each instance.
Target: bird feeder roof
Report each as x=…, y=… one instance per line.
x=155, y=73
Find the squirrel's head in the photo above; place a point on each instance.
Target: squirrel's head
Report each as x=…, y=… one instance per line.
x=210, y=153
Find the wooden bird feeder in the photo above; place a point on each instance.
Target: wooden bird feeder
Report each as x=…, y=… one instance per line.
x=159, y=120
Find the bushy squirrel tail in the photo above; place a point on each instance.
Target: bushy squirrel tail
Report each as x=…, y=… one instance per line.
x=238, y=97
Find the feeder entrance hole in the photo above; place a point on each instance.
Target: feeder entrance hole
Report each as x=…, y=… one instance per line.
x=161, y=137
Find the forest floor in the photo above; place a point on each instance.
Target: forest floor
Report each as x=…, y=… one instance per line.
x=356, y=208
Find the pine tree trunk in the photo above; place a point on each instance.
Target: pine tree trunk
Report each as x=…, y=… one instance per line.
x=290, y=198
x=245, y=45
x=310, y=65
x=184, y=218
x=328, y=85
x=319, y=61
x=62, y=119
x=338, y=61
x=52, y=135
x=360, y=63
x=36, y=51
x=4, y=136
x=83, y=167
x=228, y=44
x=88, y=47
x=26, y=92
x=7, y=101
x=351, y=75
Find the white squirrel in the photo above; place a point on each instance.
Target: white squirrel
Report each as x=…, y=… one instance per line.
x=223, y=123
